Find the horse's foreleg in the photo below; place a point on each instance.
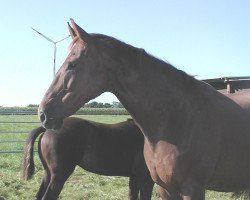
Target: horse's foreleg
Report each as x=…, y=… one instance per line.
x=191, y=190
x=166, y=195
x=198, y=195
x=162, y=192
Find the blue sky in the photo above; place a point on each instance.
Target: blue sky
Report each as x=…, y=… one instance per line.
x=209, y=39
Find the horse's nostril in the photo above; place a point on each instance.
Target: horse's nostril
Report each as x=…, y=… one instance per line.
x=42, y=116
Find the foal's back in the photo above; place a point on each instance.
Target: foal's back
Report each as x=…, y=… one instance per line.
x=105, y=149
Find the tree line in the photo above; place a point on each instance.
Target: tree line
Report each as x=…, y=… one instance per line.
x=94, y=104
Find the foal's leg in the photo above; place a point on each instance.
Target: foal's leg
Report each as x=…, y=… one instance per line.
x=146, y=188
x=54, y=188
x=133, y=188
x=43, y=186
x=57, y=180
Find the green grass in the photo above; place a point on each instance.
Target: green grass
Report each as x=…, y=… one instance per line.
x=81, y=185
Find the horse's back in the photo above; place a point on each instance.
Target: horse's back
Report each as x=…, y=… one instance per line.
x=241, y=97
x=228, y=125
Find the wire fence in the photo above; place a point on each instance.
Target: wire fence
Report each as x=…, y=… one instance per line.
x=14, y=128
x=15, y=125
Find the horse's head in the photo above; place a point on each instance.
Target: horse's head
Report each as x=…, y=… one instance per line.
x=80, y=79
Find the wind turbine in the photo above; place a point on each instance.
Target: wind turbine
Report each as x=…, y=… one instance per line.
x=55, y=43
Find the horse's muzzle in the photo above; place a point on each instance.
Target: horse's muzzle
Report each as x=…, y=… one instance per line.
x=42, y=117
x=49, y=122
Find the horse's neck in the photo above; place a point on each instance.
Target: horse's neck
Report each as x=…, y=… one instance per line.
x=150, y=91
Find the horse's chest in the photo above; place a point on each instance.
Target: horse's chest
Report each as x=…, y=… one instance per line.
x=161, y=160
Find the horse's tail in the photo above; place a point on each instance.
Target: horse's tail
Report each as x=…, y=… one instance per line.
x=28, y=161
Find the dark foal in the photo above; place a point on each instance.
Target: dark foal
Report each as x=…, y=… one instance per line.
x=112, y=150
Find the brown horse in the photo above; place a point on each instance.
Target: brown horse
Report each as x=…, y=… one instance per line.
x=112, y=150
x=195, y=137
x=241, y=97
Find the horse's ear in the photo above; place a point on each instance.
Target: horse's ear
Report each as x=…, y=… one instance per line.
x=71, y=31
x=80, y=32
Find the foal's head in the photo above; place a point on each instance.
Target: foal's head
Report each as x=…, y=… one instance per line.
x=81, y=78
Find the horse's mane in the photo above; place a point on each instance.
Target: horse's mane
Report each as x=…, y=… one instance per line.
x=118, y=47
x=133, y=52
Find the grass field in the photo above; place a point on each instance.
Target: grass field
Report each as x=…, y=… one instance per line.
x=81, y=185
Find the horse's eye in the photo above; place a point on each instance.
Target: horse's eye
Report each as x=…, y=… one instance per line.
x=72, y=65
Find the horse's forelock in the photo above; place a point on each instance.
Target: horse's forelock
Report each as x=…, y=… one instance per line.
x=75, y=39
